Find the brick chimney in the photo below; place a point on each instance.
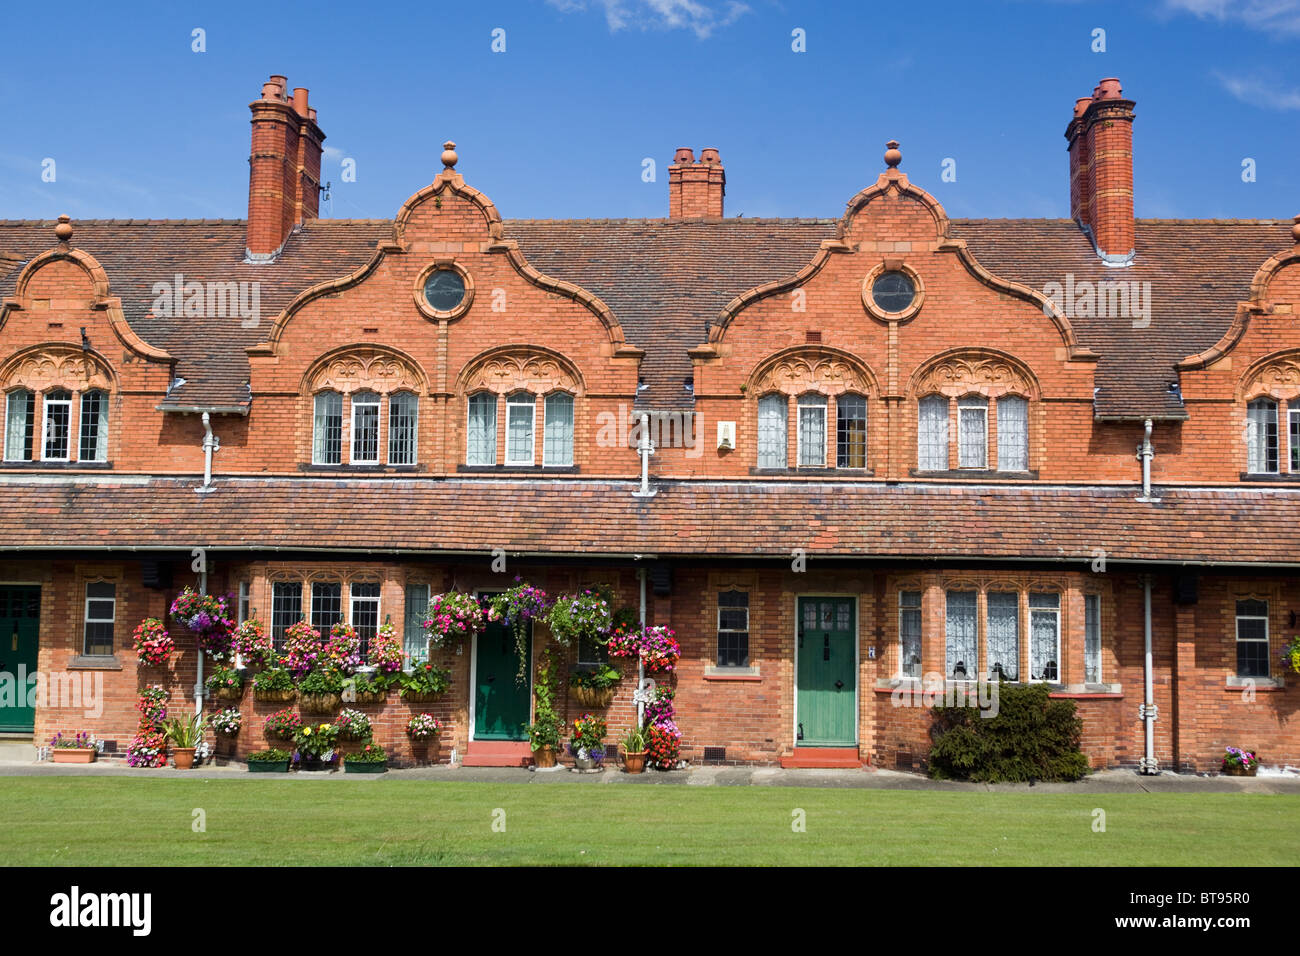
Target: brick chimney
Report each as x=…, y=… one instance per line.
x=696, y=187
x=1100, y=135
x=283, y=167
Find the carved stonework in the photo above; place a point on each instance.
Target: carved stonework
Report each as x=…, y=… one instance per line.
x=50, y=368
x=513, y=370
x=812, y=370
x=367, y=370
x=1278, y=378
x=988, y=375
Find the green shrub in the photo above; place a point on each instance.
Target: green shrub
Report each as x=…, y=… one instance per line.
x=269, y=756
x=1032, y=738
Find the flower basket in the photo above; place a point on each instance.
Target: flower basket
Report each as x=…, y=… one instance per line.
x=274, y=696
x=1231, y=771
x=420, y=696
x=598, y=697
x=371, y=697
x=228, y=693
x=319, y=703
x=74, y=754
x=278, y=735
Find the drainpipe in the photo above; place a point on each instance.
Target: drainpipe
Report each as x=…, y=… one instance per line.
x=1147, y=765
x=210, y=444
x=1146, y=453
x=640, y=661
x=203, y=589
x=645, y=448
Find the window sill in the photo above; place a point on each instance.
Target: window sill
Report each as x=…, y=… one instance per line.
x=982, y=474
x=1254, y=683
x=1268, y=476
x=59, y=465
x=361, y=469
x=95, y=662
x=1099, y=691
x=517, y=469
x=712, y=672
x=819, y=472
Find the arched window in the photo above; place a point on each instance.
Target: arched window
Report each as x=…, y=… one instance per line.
x=932, y=433
x=1013, y=433
x=1261, y=436
x=521, y=412
x=403, y=426
x=20, y=424
x=481, y=432
x=558, y=433
x=772, y=431
x=365, y=428
x=327, y=431
x=850, y=431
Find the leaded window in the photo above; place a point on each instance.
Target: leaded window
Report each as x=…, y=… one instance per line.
x=960, y=636
x=772, y=431
x=557, y=434
x=1045, y=637
x=1092, y=638
x=1293, y=417
x=733, y=629
x=58, y=425
x=812, y=431
x=850, y=431
x=327, y=429
x=415, y=642
x=481, y=434
x=1013, y=433
x=403, y=427
x=521, y=408
x=973, y=432
x=286, y=609
x=1261, y=436
x=94, y=426
x=932, y=434
x=909, y=633
x=365, y=428
x=1252, y=638
x=20, y=424
x=326, y=605
x=1002, y=633
x=365, y=612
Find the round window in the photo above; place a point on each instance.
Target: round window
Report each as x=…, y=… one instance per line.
x=444, y=290
x=893, y=291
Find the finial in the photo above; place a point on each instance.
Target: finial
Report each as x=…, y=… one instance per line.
x=892, y=156
x=64, y=229
x=449, y=156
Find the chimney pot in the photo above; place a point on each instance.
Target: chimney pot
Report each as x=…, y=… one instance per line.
x=1109, y=89
x=1100, y=135
x=300, y=101
x=284, y=167
x=1081, y=106
x=684, y=155
x=710, y=156
x=1295, y=231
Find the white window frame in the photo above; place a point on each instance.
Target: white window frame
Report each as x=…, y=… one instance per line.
x=26, y=393
x=1253, y=436
x=46, y=402
x=811, y=402
x=1237, y=640
x=87, y=619
x=1293, y=425
x=945, y=456
x=1056, y=613
x=354, y=599
x=421, y=650
x=516, y=402
x=1003, y=402
x=782, y=457
x=492, y=401
x=355, y=406
x=980, y=403
x=732, y=630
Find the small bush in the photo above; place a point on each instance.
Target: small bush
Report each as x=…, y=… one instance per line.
x=1032, y=738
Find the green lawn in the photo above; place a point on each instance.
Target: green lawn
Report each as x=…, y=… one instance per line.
x=85, y=821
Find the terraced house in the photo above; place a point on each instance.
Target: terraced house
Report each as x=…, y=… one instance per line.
x=891, y=448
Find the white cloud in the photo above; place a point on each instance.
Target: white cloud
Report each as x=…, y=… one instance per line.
x=1273, y=16
x=700, y=18
x=333, y=153
x=1260, y=91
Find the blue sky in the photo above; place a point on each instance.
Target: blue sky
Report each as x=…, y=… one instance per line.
x=558, y=125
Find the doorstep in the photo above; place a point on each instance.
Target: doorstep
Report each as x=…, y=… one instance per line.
x=823, y=758
x=17, y=748
x=497, y=753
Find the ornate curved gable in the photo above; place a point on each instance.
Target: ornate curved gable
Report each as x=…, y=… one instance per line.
x=974, y=371
x=46, y=367
x=531, y=368
x=805, y=368
x=1276, y=376
x=365, y=368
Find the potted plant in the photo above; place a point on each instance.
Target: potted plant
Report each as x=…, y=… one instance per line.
x=282, y=725
x=454, y=616
x=423, y=731
x=304, y=650
x=588, y=615
x=275, y=685
x=364, y=688
x=1240, y=763
x=587, y=747
x=342, y=652
x=251, y=642
x=516, y=607
x=152, y=642
x=634, y=750
x=225, y=683
x=314, y=746
x=424, y=682
x=385, y=654
x=227, y=722
x=79, y=748
x=352, y=725
x=1291, y=654
x=269, y=761
x=148, y=748
x=184, y=734
x=663, y=744
x=545, y=731
x=595, y=686
x=369, y=759
x=208, y=616
x=321, y=691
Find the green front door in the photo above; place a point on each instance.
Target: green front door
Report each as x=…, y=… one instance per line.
x=827, y=674
x=20, y=609
x=501, y=704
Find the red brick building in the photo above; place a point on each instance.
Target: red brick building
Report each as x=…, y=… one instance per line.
x=888, y=446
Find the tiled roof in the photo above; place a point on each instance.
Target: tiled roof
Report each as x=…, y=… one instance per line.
x=848, y=520
x=667, y=280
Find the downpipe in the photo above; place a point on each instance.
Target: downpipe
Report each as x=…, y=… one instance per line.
x=1147, y=765
x=210, y=444
x=645, y=447
x=1146, y=452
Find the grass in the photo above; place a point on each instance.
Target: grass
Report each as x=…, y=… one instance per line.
x=119, y=821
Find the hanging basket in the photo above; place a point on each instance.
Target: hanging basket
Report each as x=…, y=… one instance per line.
x=319, y=703
x=420, y=697
x=274, y=696
x=598, y=697
x=370, y=698
x=228, y=693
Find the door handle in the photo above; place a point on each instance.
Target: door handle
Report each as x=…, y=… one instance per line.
x=800, y=737
x=839, y=685
x=492, y=678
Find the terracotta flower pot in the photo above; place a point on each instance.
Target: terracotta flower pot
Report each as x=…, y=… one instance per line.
x=1233, y=771
x=184, y=757
x=634, y=763
x=544, y=757
x=74, y=754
